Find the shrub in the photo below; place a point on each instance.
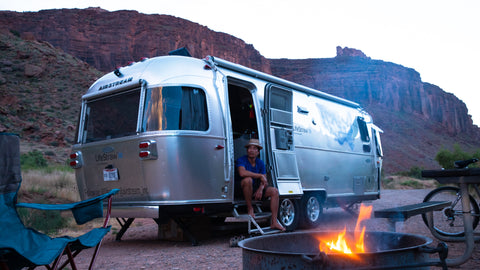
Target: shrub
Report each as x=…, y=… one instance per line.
x=387, y=183
x=33, y=160
x=51, y=186
x=15, y=32
x=412, y=183
x=447, y=158
x=45, y=221
x=415, y=172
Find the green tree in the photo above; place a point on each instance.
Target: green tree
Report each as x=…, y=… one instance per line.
x=446, y=158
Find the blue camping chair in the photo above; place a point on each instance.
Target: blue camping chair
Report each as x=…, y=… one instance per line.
x=25, y=247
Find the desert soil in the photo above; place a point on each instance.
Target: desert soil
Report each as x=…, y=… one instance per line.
x=140, y=247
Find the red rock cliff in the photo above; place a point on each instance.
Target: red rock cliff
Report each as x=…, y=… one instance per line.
x=418, y=118
x=106, y=40
x=375, y=83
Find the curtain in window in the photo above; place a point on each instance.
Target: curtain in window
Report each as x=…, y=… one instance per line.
x=194, y=110
x=175, y=108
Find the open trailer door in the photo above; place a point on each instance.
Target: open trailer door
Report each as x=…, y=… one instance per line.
x=281, y=157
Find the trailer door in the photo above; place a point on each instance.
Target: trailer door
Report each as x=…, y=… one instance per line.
x=378, y=153
x=280, y=150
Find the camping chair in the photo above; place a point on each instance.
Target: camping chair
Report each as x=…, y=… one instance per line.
x=25, y=247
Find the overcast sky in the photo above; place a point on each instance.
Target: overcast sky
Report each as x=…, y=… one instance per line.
x=438, y=38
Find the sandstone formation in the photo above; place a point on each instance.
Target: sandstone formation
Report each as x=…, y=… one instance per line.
x=375, y=83
x=349, y=52
x=40, y=90
x=106, y=40
x=418, y=118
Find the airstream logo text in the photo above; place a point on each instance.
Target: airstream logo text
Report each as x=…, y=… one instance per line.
x=116, y=83
x=302, y=130
x=107, y=156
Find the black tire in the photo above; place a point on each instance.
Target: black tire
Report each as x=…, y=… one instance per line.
x=449, y=221
x=289, y=214
x=312, y=210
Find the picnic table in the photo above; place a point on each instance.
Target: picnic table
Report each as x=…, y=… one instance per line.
x=464, y=177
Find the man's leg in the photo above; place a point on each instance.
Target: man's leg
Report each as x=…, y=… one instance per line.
x=274, y=198
x=247, y=188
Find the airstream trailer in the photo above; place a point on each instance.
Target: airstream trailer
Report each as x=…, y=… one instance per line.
x=167, y=130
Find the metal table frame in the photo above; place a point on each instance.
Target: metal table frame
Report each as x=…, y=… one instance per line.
x=464, y=178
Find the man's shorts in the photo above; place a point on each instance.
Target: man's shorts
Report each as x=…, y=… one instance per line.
x=239, y=191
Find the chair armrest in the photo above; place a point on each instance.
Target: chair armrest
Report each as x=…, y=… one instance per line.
x=83, y=211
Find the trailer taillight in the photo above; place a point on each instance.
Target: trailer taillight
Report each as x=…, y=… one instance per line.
x=144, y=154
x=147, y=150
x=143, y=145
x=76, y=160
x=198, y=209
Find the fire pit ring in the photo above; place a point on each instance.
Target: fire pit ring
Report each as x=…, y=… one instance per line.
x=299, y=250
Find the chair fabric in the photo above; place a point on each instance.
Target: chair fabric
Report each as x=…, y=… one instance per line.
x=25, y=247
x=10, y=176
x=83, y=211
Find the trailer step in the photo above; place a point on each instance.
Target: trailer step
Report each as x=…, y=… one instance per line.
x=264, y=230
x=258, y=217
x=253, y=226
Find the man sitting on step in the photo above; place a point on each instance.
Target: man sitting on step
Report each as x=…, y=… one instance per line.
x=254, y=184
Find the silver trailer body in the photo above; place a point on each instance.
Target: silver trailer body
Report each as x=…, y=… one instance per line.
x=166, y=131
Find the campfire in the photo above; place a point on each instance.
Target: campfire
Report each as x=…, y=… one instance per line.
x=340, y=243
x=358, y=249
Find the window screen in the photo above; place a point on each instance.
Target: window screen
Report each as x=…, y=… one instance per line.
x=111, y=117
x=281, y=100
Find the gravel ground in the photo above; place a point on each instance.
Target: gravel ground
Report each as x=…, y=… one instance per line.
x=141, y=249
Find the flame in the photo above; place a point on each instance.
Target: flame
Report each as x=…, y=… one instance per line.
x=341, y=244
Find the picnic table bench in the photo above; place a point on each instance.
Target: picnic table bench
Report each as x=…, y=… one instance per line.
x=402, y=213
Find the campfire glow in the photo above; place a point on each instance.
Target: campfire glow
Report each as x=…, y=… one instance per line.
x=340, y=243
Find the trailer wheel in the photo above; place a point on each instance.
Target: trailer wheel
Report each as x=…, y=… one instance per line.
x=311, y=211
x=289, y=214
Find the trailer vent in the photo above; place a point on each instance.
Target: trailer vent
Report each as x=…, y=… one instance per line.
x=182, y=52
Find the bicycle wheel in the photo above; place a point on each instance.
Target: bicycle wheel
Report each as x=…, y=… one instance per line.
x=449, y=220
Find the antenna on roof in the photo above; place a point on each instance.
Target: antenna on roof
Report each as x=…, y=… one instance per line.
x=182, y=51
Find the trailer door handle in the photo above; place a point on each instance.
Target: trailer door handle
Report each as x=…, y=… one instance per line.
x=301, y=109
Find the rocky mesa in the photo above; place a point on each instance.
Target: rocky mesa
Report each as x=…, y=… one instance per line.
x=418, y=118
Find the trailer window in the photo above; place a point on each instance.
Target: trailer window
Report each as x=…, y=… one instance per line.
x=378, y=143
x=111, y=117
x=363, y=129
x=175, y=108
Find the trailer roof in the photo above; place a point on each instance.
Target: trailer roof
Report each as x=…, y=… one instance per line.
x=135, y=72
x=267, y=77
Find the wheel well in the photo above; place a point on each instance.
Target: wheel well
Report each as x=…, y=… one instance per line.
x=320, y=194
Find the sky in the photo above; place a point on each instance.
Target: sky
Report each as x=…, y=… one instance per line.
x=438, y=38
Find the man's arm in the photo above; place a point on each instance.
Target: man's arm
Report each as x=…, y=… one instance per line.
x=245, y=173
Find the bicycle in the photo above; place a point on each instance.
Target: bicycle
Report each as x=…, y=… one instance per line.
x=449, y=221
